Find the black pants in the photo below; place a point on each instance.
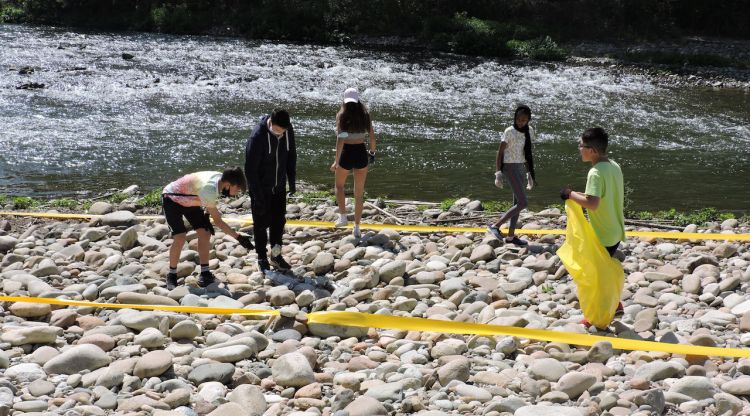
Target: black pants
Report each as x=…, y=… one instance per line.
x=270, y=221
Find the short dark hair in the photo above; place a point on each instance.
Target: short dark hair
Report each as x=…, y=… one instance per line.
x=597, y=138
x=280, y=118
x=235, y=177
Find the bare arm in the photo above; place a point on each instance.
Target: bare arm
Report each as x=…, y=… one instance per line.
x=216, y=216
x=586, y=201
x=373, y=144
x=500, y=153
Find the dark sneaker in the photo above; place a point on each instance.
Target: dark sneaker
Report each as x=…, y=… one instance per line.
x=279, y=263
x=206, y=279
x=517, y=241
x=620, y=309
x=495, y=232
x=263, y=265
x=171, y=281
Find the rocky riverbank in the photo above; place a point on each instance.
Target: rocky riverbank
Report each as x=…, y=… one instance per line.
x=688, y=61
x=87, y=361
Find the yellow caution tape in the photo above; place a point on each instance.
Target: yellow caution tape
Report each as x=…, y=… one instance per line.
x=365, y=320
x=414, y=228
x=171, y=308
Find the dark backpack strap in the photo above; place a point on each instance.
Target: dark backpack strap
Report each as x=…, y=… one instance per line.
x=176, y=194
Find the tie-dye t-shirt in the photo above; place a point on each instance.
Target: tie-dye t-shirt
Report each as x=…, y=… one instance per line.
x=203, y=184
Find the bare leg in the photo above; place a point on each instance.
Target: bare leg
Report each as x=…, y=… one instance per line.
x=360, y=175
x=341, y=175
x=204, y=243
x=178, y=241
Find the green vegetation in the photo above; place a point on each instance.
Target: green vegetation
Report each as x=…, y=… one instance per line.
x=11, y=14
x=151, y=199
x=117, y=197
x=68, y=203
x=313, y=197
x=503, y=28
x=547, y=288
x=699, y=217
x=496, y=206
x=447, y=203
x=422, y=208
x=24, y=202
x=539, y=49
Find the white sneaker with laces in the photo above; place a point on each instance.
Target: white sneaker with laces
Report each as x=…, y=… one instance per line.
x=355, y=232
x=341, y=221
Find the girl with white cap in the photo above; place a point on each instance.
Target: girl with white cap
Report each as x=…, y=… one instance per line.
x=353, y=126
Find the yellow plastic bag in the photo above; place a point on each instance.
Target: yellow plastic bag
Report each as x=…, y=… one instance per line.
x=599, y=277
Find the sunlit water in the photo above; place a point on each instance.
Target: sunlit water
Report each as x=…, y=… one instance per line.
x=188, y=103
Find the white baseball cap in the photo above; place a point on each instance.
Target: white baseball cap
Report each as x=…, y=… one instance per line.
x=351, y=95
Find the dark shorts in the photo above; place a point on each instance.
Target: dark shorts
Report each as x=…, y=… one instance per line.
x=612, y=249
x=174, y=212
x=353, y=156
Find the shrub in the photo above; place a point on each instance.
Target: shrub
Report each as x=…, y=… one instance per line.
x=446, y=204
x=172, y=18
x=311, y=197
x=68, y=203
x=24, y=202
x=539, y=49
x=117, y=197
x=11, y=14
x=496, y=206
x=151, y=199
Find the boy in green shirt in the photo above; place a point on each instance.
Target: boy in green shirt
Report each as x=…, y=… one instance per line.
x=604, y=195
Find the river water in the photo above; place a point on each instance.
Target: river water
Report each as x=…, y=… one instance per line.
x=188, y=103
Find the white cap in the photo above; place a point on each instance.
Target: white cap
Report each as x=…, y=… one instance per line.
x=351, y=95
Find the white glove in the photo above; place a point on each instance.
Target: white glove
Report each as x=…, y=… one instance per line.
x=499, y=179
x=529, y=181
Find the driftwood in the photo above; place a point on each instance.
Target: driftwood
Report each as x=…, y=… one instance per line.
x=653, y=225
x=381, y=210
x=332, y=235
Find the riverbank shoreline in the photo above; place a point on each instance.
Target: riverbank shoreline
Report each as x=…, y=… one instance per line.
x=87, y=360
x=454, y=210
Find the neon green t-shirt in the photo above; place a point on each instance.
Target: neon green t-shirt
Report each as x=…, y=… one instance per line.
x=605, y=181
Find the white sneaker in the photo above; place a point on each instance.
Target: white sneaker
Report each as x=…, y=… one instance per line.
x=341, y=220
x=355, y=232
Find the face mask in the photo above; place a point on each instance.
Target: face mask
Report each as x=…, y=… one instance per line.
x=225, y=193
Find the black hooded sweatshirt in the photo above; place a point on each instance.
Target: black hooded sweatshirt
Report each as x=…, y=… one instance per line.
x=270, y=161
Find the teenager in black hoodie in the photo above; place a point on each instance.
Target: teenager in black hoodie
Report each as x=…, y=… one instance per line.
x=270, y=160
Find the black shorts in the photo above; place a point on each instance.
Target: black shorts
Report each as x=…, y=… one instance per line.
x=612, y=249
x=353, y=156
x=174, y=212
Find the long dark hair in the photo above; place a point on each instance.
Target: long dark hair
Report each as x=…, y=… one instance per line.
x=353, y=118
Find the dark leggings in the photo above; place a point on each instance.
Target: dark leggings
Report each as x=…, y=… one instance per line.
x=514, y=173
